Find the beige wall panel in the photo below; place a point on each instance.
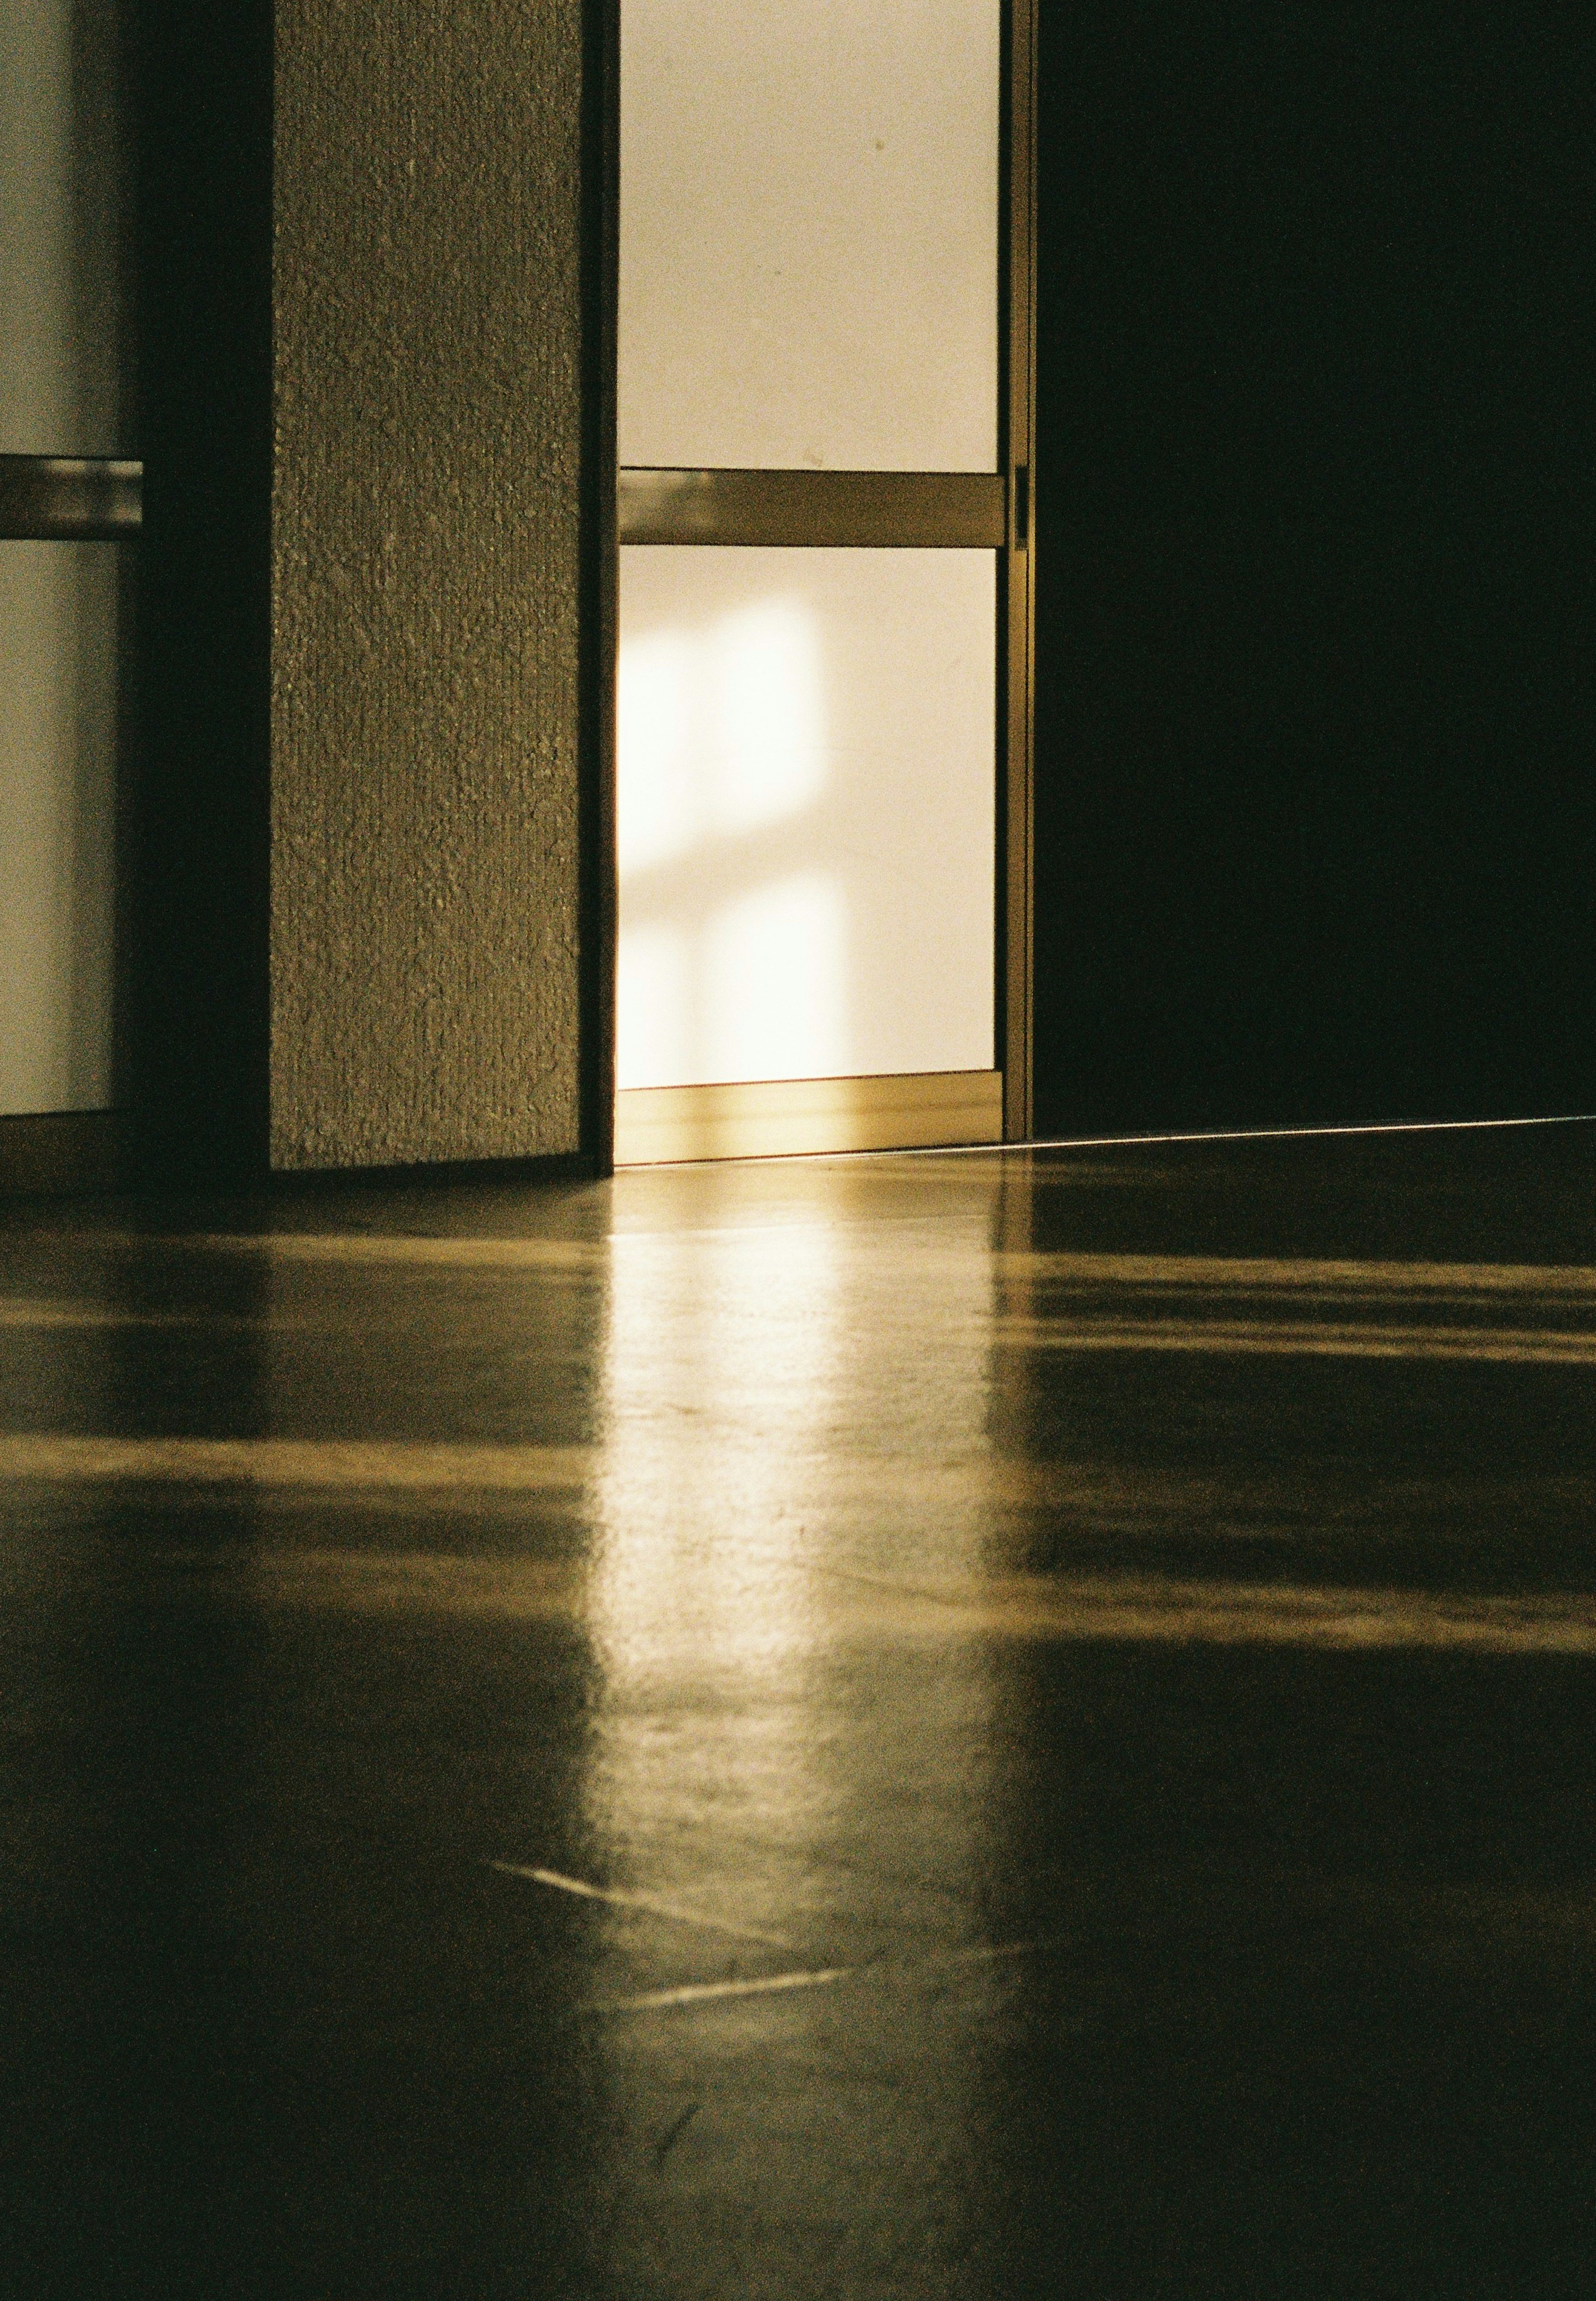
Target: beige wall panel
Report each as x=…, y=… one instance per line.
x=425, y=518
x=61, y=607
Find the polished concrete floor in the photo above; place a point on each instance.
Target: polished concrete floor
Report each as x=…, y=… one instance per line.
x=985, y=1725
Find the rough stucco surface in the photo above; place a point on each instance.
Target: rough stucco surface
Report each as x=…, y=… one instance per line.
x=424, y=706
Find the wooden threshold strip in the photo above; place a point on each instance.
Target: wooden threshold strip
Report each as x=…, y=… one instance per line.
x=902, y=510
x=770, y=1118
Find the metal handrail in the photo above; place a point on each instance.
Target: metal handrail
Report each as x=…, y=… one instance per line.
x=70, y=498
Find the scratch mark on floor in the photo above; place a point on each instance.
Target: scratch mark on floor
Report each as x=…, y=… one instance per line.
x=699, y=1993
x=674, y=2132
x=653, y=1903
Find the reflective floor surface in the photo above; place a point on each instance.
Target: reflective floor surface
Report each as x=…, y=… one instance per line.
x=986, y=1724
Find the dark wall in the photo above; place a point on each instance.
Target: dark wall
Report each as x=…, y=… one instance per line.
x=196, y=971
x=1317, y=590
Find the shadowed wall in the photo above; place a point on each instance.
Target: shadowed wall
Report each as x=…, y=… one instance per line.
x=1315, y=834
x=425, y=581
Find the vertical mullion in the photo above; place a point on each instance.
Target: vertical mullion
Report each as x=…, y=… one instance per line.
x=1019, y=616
x=600, y=908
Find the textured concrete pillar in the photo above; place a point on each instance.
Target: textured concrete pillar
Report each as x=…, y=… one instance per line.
x=427, y=537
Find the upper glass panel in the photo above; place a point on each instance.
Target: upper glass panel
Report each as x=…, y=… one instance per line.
x=65, y=305
x=809, y=234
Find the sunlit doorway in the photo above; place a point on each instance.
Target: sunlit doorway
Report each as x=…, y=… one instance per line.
x=822, y=744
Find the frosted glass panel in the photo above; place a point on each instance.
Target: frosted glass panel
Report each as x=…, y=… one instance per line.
x=806, y=813
x=809, y=234
x=64, y=309
x=60, y=605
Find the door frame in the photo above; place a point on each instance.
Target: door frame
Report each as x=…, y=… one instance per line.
x=993, y=510
x=1017, y=448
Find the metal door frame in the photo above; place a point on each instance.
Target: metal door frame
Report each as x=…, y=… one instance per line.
x=879, y=509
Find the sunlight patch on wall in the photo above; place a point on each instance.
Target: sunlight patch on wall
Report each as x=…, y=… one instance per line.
x=721, y=736
x=776, y=979
x=654, y=1006
x=720, y=731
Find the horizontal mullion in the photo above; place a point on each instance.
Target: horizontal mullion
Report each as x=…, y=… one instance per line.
x=902, y=510
x=70, y=498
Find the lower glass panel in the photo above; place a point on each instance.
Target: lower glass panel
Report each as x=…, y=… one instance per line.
x=61, y=621
x=807, y=814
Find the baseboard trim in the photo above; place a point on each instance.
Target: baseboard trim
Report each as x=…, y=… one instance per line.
x=774, y=1118
x=55, y=1153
